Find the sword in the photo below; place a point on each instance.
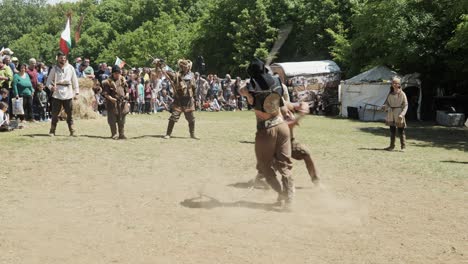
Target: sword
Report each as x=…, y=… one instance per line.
x=283, y=34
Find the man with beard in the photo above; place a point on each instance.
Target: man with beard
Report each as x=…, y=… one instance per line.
x=273, y=139
x=183, y=83
x=63, y=84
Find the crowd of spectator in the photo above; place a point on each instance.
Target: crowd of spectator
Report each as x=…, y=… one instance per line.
x=22, y=82
x=149, y=91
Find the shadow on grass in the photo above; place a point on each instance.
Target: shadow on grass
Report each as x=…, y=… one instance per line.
x=381, y=149
x=262, y=185
x=377, y=149
x=158, y=136
x=455, y=161
x=247, y=142
x=47, y=135
x=92, y=136
x=211, y=203
x=431, y=136
x=38, y=135
x=250, y=184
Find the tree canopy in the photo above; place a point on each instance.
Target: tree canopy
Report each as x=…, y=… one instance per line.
x=408, y=35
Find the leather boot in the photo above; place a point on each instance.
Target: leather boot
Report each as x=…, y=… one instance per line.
x=113, y=128
x=192, y=130
x=170, y=127
x=72, y=131
x=403, y=139
x=122, y=132
x=392, y=141
x=52, y=130
x=288, y=189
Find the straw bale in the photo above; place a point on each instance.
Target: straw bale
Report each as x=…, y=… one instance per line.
x=84, y=106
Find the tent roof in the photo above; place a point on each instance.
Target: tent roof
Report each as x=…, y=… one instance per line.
x=411, y=80
x=307, y=67
x=376, y=74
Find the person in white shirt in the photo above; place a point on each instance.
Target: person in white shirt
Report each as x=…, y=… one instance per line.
x=63, y=84
x=4, y=120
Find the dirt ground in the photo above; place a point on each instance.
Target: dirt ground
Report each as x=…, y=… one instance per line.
x=148, y=200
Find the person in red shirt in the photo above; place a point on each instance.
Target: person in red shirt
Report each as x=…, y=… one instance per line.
x=32, y=72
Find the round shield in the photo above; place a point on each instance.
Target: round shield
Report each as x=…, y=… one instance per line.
x=272, y=103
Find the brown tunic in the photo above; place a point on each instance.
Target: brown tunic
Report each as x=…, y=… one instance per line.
x=115, y=88
x=184, y=91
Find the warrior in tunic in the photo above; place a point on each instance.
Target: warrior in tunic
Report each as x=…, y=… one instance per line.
x=115, y=90
x=183, y=83
x=273, y=138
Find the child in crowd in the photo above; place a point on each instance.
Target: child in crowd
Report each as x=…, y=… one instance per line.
x=4, y=95
x=132, y=95
x=164, y=102
x=42, y=101
x=215, y=106
x=206, y=105
x=4, y=120
x=232, y=103
x=148, y=96
x=141, y=98
x=100, y=101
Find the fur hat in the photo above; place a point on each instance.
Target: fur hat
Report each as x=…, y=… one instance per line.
x=7, y=51
x=185, y=63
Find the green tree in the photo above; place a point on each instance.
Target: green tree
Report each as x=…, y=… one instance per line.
x=19, y=17
x=252, y=36
x=34, y=45
x=167, y=37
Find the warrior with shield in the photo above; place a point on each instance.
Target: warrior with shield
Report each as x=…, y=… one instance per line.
x=273, y=139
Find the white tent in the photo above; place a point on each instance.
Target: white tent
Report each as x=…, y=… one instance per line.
x=368, y=91
x=291, y=69
x=311, y=81
x=311, y=75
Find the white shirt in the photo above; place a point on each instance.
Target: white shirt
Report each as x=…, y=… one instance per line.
x=3, y=118
x=65, y=80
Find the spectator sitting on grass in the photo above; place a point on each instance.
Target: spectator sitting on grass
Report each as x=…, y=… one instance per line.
x=232, y=103
x=4, y=120
x=165, y=101
x=214, y=105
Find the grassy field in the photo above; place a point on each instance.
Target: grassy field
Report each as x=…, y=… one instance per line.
x=90, y=199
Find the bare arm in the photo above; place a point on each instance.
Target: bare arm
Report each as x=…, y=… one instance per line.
x=244, y=92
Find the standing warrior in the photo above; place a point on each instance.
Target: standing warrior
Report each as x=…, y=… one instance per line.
x=183, y=83
x=115, y=90
x=273, y=139
x=63, y=84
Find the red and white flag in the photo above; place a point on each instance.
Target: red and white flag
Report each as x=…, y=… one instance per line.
x=65, y=39
x=120, y=62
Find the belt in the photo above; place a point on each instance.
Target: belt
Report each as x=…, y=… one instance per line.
x=269, y=123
